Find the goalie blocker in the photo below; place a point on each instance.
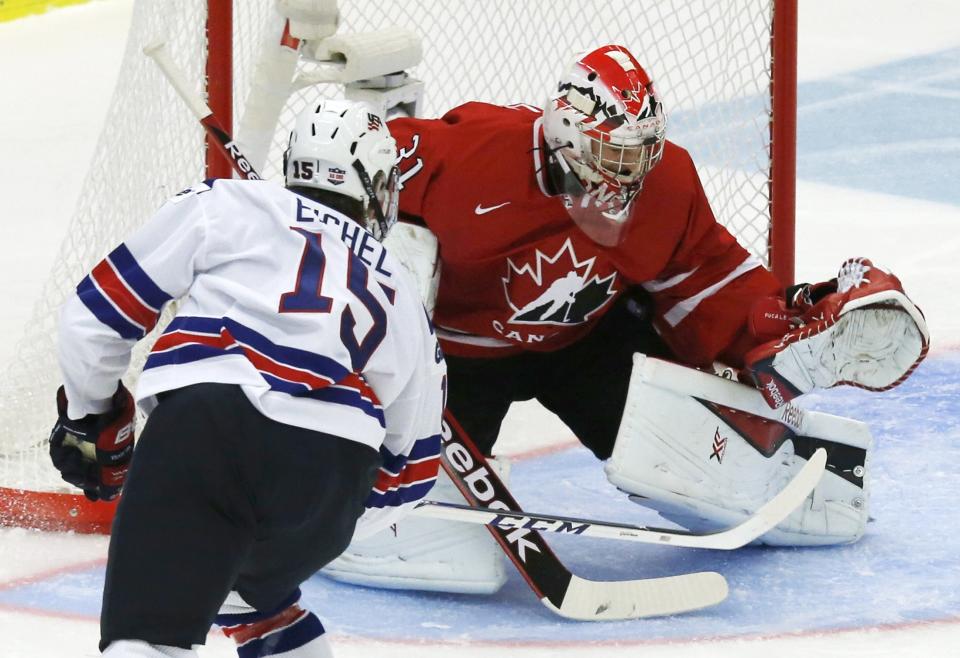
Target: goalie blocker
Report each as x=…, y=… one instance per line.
x=706, y=453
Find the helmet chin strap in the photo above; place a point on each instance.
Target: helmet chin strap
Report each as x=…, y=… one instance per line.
x=371, y=194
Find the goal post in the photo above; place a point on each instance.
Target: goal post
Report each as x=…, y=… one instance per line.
x=783, y=141
x=726, y=71
x=219, y=81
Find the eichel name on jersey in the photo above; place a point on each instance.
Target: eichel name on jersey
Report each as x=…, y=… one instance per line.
x=298, y=305
x=363, y=245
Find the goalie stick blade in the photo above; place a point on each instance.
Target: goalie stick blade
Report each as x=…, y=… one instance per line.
x=589, y=600
x=764, y=520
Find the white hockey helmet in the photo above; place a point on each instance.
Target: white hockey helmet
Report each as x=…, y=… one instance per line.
x=344, y=147
x=604, y=126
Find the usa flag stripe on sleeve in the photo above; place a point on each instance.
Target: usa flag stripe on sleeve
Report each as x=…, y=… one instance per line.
x=138, y=280
x=428, y=448
x=105, y=311
x=121, y=295
x=405, y=479
x=416, y=472
x=401, y=495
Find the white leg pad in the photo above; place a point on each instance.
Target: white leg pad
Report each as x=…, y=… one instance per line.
x=427, y=554
x=706, y=452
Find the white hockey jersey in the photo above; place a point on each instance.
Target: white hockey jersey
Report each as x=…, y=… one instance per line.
x=301, y=307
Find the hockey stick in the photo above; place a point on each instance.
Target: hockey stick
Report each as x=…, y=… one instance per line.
x=158, y=52
x=564, y=593
x=764, y=519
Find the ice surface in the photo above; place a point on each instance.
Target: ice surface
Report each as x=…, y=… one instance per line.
x=878, y=162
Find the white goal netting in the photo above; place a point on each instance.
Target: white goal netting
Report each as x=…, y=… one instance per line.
x=710, y=60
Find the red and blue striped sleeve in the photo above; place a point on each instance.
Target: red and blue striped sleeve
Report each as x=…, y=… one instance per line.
x=406, y=478
x=121, y=299
x=122, y=295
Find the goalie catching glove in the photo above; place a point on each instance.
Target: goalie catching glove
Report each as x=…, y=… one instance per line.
x=93, y=453
x=858, y=329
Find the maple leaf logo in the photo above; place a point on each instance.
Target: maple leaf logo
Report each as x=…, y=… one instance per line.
x=556, y=289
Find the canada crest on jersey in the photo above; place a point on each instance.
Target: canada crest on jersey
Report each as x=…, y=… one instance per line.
x=557, y=289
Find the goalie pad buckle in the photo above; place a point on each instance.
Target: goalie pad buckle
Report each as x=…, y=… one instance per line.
x=706, y=453
x=866, y=334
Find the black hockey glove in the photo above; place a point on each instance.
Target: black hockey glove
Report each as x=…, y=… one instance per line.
x=94, y=453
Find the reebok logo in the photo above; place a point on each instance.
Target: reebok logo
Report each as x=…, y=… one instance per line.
x=477, y=479
x=792, y=417
x=774, y=394
x=480, y=210
x=241, y=161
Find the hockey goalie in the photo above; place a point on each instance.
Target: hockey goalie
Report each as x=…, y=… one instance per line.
x=580, y=265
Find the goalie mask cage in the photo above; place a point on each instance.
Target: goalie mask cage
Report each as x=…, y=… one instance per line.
x=726, y=71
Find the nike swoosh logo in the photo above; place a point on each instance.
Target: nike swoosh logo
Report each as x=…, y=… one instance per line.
x=480, y=210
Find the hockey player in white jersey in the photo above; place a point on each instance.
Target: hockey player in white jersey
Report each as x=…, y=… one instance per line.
x=295, y=397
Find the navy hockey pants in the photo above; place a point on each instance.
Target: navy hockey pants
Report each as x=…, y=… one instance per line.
x=221, y=498
x=585, y=383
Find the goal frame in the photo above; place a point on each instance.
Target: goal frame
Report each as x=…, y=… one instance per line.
x=73, y=512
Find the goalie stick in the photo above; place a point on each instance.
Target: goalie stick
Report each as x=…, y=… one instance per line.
x=561, y=591
x=764, y=519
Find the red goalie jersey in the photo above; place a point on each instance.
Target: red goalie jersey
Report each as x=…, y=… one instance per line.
x=519, y=275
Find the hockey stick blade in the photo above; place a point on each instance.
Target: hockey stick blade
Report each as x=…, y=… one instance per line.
x=765, y=518
x=561, y=591
x=591, y=600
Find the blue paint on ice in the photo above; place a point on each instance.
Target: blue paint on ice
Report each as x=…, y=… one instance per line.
x=906, y=569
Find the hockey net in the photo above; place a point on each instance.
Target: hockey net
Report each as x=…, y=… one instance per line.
x=710, y=60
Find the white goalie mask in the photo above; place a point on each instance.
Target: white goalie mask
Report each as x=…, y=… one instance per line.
x=604, y=127
x=344, y=147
